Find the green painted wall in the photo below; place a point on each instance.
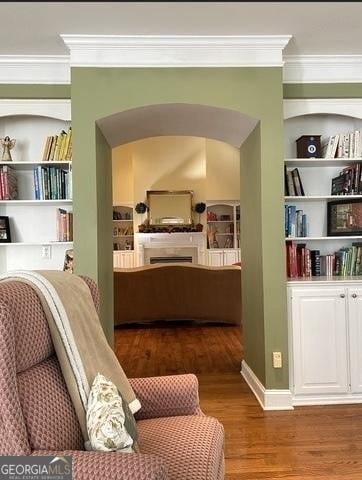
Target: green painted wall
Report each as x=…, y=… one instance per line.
x=105, y=230
x=257, y=92
x=322, y=90
x=34, y=91
x=251, y=248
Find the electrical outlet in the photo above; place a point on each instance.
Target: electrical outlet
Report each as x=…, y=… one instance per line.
x=46, y=252
x=277, y=359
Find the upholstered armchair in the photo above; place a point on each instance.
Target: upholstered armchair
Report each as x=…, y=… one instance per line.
x=37, y=417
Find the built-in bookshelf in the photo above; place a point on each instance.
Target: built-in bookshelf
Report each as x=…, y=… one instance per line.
x=316, y=175
x=223, y=233
x=123, y=229
x=37, y=230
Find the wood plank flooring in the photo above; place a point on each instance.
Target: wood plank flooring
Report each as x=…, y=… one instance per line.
x=309, y=443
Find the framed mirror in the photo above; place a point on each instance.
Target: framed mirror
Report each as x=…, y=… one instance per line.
x=169, y=207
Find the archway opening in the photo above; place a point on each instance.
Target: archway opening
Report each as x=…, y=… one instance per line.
x=190, y=120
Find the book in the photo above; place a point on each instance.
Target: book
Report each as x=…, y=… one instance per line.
x=51, y=183
x=291, y=189
x=298, y=186
x=64, y=222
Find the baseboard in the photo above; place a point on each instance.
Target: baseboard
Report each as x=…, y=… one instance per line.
x=343, y=399
x=268, y=399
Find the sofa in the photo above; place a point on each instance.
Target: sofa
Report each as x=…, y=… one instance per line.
x=182, y=291
x=177, y=442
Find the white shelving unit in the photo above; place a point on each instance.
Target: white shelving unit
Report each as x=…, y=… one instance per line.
x=325, y=313
x=123, y=237
x=223, y=233
x=308, y=117
x=32, y=222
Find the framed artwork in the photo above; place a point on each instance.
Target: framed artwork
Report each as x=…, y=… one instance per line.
x=344, y=218
x=4, y=230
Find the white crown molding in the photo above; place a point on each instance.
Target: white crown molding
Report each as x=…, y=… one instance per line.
x=176, y=50
x=351, y=107
x=269, y=399
x=60, y=109
x=38, y=69
x=322, y=69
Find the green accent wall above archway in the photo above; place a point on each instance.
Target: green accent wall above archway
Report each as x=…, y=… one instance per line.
x=258, y=92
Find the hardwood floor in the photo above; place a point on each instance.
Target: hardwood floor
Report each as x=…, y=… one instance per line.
x=319, y=443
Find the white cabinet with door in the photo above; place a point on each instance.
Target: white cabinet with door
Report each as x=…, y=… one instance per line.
x=355, y=337
x=325, y=335
x=222, y=257
x=123, y=259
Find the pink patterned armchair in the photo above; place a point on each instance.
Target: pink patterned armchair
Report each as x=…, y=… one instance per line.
x=177, y=441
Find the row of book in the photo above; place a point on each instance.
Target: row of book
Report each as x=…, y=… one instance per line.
x=52, y=183
x=8, y=184
x=303, y=262
x=295, y=222
x=58, y=148
x=64, y=226
x=348, y=182
x=293, y=185
x=343, y=145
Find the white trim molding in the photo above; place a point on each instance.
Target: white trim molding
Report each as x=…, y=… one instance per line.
x=60, y=109
x=351, y=107
x=269, y=399
x=342, y=399
x=34, y=69
x=176, y=50
x=322, y=69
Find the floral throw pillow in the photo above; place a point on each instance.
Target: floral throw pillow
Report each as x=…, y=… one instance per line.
x=110, y=423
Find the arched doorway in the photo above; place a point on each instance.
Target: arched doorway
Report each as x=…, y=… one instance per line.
x=178, y=120
x=98, y=93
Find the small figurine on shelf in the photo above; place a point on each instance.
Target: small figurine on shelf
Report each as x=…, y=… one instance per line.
x=7, y=145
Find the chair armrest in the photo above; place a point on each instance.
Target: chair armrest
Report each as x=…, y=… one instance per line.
x=167, y=396
x=112, y=465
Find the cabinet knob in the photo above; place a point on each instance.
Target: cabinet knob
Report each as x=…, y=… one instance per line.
x=354, y=295
x=342, y=295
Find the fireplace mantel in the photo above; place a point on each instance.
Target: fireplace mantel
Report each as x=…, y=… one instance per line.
x=170, y=243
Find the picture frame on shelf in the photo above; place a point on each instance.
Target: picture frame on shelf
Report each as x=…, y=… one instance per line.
x=344, y=218
x=5, y=236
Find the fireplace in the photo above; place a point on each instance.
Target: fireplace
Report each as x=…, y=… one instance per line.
x=175, y=259
x=170, y=248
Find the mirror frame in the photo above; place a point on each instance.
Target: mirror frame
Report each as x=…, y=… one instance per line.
x=169, y=192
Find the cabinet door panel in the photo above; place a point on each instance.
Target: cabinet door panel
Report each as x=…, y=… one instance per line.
x=117, y=259
x=216, y=259
x=230, y=257
x=355, y=337
x=319, y=340
x=128, y=260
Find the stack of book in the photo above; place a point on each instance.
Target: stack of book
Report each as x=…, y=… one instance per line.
x=52, y=183
x=343, y=145
x=348, y=182
x=348, y=260
x=58, y=148
x=303, y=262
x=293, y=185
x=295, y=222
x=8, y=184
x=64, y=226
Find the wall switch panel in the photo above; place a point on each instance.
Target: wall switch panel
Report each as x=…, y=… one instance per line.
x=46, y=252
x=277, y=359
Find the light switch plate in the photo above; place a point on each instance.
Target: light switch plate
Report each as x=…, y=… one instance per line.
x=277, y=359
